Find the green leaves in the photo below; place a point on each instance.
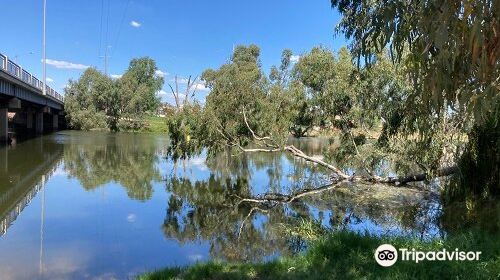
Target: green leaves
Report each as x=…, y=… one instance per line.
x=95, y=101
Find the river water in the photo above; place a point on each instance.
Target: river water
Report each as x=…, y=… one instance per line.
x=77, y=205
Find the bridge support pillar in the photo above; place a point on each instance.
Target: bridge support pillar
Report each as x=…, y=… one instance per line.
x=39, y=122
x=29, y=119
x=4, y=124
x=55, y=121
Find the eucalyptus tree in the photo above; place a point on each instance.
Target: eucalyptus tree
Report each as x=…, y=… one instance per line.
x=288, y=92
x=451, y=51
x=87, y=100
x=244, y=113
x=329, y=79
x=138, y=89
x=96, y=101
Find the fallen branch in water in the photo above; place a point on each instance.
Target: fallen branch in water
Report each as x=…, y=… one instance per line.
x=268, y=145
x=370, y=179
x=416, y=177
x=283, y=198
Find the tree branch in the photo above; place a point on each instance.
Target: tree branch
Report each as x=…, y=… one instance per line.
x=298, y=153
x=251, y=131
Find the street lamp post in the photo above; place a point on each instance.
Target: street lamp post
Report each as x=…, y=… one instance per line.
x=44, y=49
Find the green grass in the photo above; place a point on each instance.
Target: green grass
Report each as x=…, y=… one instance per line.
x=346, y=255
x=155, y=124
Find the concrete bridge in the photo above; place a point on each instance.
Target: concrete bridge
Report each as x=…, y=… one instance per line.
x=23, y=106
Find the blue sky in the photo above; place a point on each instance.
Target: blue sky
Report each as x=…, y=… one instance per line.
x=184, y=37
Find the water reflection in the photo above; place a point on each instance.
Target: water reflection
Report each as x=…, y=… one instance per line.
x=215, y=208
x=116, y=206
x=102, y=158
x=24, y=170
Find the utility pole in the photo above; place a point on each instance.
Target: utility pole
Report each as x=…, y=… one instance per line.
x=106, y=61
x=44, y=54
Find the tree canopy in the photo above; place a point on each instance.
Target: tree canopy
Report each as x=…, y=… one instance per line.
x=96, y=101
x=451, y=51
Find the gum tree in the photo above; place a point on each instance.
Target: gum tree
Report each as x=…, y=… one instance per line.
x=451, y=50
x=243, y=115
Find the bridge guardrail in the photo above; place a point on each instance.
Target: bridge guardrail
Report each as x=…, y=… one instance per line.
x=11, y=68
x=2, y=61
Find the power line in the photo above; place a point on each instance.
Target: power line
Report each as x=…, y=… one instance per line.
x=106, y=46
x=120, y=28
x=100, y=29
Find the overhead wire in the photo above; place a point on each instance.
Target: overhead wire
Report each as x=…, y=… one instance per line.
x=100, y=30
x=115, y=45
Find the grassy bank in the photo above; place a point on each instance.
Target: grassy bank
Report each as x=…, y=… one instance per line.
x=155, y=124
x=345, y=255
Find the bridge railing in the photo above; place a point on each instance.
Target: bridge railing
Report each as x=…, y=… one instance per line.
x=16, y=71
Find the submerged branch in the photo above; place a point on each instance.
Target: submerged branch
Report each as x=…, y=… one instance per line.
x=416, y=177
x=283, y=198
x=372, y=178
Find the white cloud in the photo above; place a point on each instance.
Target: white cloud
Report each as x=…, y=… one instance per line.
x=162, y=92
x=160, y=73
x=200, y=87
x=180, y=80
x=61, y=64
x=131, y=218
x=295, y=58
x=50, y=80
x=116, y=76
x=135, y=24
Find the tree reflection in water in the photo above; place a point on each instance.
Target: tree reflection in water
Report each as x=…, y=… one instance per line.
x=244, y=205
x=229, y=210
x=129, y=160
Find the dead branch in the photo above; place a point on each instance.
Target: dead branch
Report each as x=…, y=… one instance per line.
x=246, y=218
x=175, y=93
x=447, y=171
x=189, y=86
x=251, y=130
x=283, y=198
x=298, y=153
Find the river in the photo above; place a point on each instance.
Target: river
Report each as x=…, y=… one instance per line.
x=90, y=205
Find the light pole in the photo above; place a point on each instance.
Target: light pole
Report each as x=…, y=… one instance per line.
x=44, y=54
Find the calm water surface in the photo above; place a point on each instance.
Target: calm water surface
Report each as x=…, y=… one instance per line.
x=103, y=206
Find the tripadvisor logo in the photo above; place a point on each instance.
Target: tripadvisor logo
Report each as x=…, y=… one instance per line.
x=386, y=255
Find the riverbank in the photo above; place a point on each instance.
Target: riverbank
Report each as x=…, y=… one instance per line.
x=155, y=124
x=347, y=255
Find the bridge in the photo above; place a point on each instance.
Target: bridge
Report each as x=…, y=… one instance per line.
x=23, y=106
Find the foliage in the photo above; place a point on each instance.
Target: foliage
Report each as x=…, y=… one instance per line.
x=87, y=99
x=451, y=53
x=238, y=90
x=138, y=87
x=107, y=158
x=95, y=101
x=186, y=130
x=451, y=48
x=348, y=255
x=240, y=87
x=291, y=95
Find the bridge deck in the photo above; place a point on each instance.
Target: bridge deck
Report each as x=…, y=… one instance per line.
x=26, y=86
